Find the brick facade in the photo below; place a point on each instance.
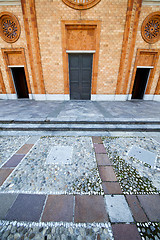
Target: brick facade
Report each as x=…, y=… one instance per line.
x=116, y=45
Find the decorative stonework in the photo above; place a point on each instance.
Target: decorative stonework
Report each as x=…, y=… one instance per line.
x=9, y=27
x=151, y=28
x=81, y=4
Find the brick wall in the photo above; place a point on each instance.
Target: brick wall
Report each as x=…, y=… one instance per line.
x=112, y=16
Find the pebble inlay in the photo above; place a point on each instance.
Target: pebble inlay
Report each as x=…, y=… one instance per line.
x=134, y=176
x=150, y=231
x=33, y=175
x=9, y=145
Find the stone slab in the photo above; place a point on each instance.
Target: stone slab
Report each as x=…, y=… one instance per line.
x=6, y=201
x=60, y=155
x=103, y=160
x=27, y=207
x=14, y=160
x=151, y=206
x=99, y=148
x=32, y=140
x=111, y=188
x=58, y=208
x=25, y=149
x=107, y=173
x=118, y=209
x=143, y=155
x=136, y=209
x=4, y=173
x=97, y=140
x=125, y=232
x=90, y=209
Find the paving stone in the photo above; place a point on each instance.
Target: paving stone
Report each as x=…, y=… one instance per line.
x=58, y=208
x=4, y=173
x=107, y=173
x=27, y=207
x=90, y=209
x=6, y=201
x=14, y=160
x=60, y=155
x=99, y=148
x=24, y=149
x=151, y=206
x=118, y=209
x=125, y=232
x=103, y=160
x=97, y=140
x=111, y=188
x=32, y=140
x=136, y=209
x=143, y=155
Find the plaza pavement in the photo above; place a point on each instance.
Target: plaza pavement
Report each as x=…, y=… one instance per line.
x=128, y=215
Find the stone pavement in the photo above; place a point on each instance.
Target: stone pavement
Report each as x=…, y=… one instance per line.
x=79, y=185
x=78, y=110
x=101, y=193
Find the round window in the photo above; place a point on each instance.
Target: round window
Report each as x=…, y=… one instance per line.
x=9, y=27
x=81, y=4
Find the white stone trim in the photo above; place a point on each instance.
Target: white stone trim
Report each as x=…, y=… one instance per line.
x=129, y=96
x=156, y=98
x=15, y=66
x=102, y=97
x=80, y=51
x=39, y=97
x=145, y=67
x=3, y=96
x=57, y=97
x=121, y=97
x=148, y=97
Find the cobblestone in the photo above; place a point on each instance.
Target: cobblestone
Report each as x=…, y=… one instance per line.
x=16, y=230
x=34, y=175
x=134, y=176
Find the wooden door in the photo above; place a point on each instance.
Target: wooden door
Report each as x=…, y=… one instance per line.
x=80, y=76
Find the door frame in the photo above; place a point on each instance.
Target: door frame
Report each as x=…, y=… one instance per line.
x=152, y=71
x=80, y=24
x=5, y=52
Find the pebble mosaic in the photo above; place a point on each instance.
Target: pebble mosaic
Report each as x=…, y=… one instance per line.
x=55, y=231
x=33, y=175
x=134, y=176
x=9, y=145
x=149, y=231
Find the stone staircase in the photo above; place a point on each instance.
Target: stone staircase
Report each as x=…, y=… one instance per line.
x=126, y=125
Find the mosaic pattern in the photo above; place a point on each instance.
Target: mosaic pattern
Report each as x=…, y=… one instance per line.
x=149, y=230
x=134, y=176
x=9, y=145
x=34, y=175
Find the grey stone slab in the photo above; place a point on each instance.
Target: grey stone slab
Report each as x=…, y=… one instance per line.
x=6, y=201
x=60, y=155
x=143, y=155
x=27, y=207
x=118, y=209
x=32, y=140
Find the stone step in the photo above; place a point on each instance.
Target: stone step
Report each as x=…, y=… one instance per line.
x=79, y=127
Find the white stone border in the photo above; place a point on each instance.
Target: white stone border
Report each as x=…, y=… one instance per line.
x=94, y=97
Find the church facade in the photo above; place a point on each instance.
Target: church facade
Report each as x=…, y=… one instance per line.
x=80, y=49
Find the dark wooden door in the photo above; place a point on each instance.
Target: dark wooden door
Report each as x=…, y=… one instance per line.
x=140, y=83
x=80, y=76
x=20, y=82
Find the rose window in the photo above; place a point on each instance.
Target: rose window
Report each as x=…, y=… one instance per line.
x=9, y=27
x=151, y=28
x=81, y=4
